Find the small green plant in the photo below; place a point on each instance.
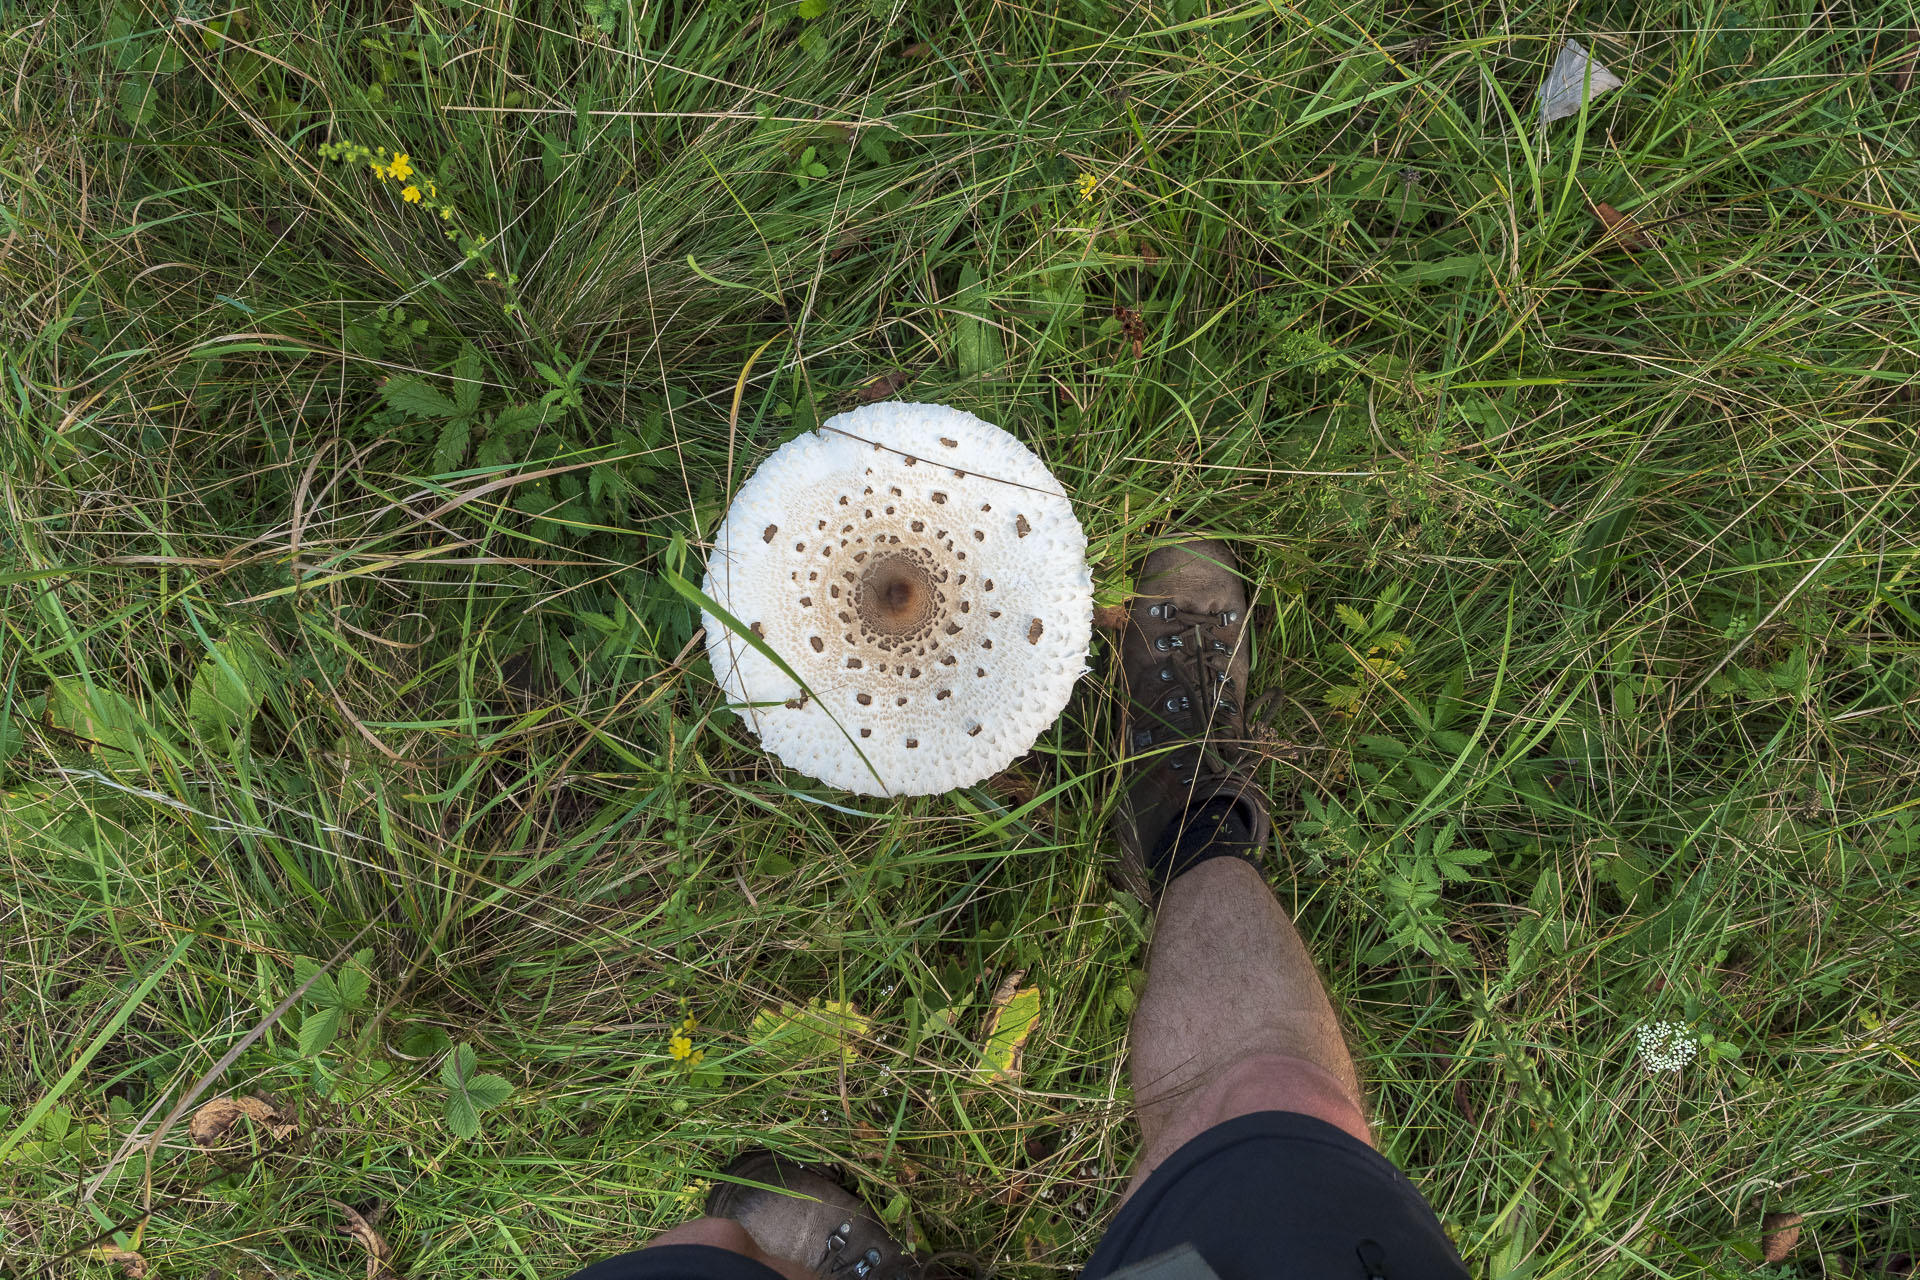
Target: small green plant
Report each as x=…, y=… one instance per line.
x=457, y=418
x=384, y=331
x=1378, y=652
x=145, y=58
x=813, y=32
x=229, y=687
x=565, y=387
x=468, y=1094
x=605, y=15
x=808, y=169
x=1329, y=834
x=1295, y=338
x=331, y=998
x=1415, y=872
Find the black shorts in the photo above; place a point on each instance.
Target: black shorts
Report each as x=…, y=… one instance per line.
x=1278, y=1194
x=1273, y=1194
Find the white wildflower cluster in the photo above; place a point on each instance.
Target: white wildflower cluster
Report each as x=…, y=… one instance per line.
x=1666, y=1046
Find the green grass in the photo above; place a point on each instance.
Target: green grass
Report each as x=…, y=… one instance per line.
x=1588, y=598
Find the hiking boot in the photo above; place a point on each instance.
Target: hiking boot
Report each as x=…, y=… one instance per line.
x=1185, y=662
x=817, y=1223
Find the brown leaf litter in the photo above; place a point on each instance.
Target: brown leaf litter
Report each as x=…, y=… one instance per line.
x=1622, y=231
x=1133, y=327
x=129, y=1263
x=1779, y=1233
x=883, y=386
x=379, y=1252
x=214, y=1121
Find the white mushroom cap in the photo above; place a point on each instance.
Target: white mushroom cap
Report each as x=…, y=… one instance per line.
x=925, y=575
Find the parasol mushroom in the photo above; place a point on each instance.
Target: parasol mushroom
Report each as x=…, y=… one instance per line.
x=925, y=576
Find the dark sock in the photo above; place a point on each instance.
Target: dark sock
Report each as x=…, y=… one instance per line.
x=1212, y=829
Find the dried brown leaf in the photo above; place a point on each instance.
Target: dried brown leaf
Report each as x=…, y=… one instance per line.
x=874, y=1142
x=846, y=244
x=214, y=1120
x=1133, y=327
x=379, y=1253
x=1621, y=229
x=883, y=386
x=1463, y=1103
x=1111, y=616
x=1779, y=1233
x=1898, y=62
x=131, y=1264
x=1015, y=1189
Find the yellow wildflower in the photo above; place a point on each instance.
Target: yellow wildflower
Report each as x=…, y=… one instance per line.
x=411, y=194
x=379, y=170
x=446, y=211
x=402, y=167
x=680, y=1044
x=1087, y=183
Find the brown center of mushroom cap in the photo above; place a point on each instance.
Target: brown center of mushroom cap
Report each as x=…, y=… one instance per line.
x=895, y=595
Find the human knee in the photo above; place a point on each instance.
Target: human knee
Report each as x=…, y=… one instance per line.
x=725, y=1233
x=1281, y=1082
x=718, y=1233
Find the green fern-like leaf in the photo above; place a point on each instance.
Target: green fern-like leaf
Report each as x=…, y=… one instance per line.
x=450, y=451
x=466, y=380
x=413, y=397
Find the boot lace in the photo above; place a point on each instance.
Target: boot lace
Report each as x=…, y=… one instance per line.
x=1194, y=692
x=840, y=1262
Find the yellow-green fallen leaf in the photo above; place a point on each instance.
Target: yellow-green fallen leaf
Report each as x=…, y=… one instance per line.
x=819, y=1028
x=1015, y=1013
